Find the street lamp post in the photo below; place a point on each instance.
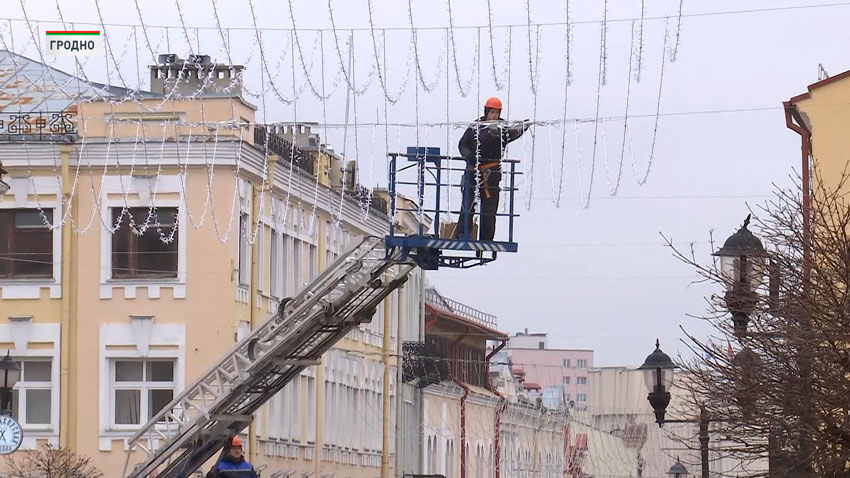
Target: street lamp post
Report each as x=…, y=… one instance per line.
x=678, y=470
x=658, y=377
x=10, y=373
x=658, y=371
x=742, y=260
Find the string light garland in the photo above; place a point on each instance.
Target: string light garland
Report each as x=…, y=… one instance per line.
x=271, y=94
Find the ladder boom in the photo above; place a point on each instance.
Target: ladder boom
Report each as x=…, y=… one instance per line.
x=199, y=421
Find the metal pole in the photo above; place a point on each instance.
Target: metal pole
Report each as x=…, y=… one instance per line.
x=703, y=440
x=392, y=192
x=5, y=401
x=439, y=187
x=420, y=158
x=511, y=196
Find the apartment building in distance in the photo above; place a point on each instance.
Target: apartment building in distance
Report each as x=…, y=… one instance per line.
x=560, y=375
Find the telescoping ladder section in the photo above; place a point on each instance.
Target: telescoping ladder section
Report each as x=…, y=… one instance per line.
x=199, y=421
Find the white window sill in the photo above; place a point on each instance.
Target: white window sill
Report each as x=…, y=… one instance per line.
x=152, y=285
x=38, y=429
x=118, y=432
x=22, y=288
x=28, y=281
x=121, y=430
x=145, y=281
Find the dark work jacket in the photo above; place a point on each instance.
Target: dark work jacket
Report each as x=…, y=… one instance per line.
x=491, y=140
x=228, y=467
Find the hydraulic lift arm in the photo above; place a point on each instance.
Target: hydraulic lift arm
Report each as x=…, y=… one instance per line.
x=200, y=420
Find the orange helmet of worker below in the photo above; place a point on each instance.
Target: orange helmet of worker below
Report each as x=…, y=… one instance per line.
x=494, y=103
x=236, y=442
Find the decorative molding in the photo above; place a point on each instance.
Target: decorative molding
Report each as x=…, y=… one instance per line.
x=142, y=325
x=21, y=330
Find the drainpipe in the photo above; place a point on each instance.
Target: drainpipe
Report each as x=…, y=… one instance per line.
x=253, y=297
x=503, y=404
x=452, y=364
x=791, y=114
x=421, y=396
x=68, y=333
x=385, y=402
x=400, y=451
x=808, y=419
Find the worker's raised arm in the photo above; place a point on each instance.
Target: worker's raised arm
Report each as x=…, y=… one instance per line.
x=512, y=133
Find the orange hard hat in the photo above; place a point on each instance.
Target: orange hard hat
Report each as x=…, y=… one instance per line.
x=236, y=442
x=494, y=103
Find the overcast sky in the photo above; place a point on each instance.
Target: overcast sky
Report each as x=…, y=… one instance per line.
x=595, y=277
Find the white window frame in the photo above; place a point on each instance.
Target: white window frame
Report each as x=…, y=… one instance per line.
x=143, y=386
x=261, y=242
x=122, y=342
x=579, y=397
x=23, y=386
x=297, y=265
x=112, y=196
x=312, y=261
x=22, y=337
x=581, y=380
x=243, y=251
x=21, y=188
x=277, y=284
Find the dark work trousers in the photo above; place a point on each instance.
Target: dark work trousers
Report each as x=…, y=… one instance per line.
x=489, y=197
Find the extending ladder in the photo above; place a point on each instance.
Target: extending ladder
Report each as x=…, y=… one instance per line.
x=199, y=421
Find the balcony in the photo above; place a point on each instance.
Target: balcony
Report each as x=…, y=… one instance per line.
x=437, y=301
x=38, y=126
x=271, y=138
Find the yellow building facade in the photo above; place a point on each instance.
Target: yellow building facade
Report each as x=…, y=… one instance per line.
x=820, y=116
x=143, y=238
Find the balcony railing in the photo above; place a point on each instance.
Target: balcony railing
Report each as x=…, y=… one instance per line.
x=434, y=298
x=277, y=144
x=362, y=195
x=38, y=125
x=423, y=364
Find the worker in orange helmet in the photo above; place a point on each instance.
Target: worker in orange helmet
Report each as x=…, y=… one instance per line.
x=482, y=146
x=233, y=463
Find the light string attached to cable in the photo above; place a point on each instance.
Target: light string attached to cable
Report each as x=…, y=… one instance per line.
x=117, y=62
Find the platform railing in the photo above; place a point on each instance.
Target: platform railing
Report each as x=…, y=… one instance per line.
x=419, y=175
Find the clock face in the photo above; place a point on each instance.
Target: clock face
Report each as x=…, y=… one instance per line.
x=10, y=435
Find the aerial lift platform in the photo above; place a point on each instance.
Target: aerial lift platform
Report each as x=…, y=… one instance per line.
x=200, y=421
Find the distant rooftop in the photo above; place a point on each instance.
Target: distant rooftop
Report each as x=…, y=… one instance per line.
x=533, y=334
x=435, y=299
x=27, y=85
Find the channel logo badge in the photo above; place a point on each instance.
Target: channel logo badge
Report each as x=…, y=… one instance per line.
x=73, y=43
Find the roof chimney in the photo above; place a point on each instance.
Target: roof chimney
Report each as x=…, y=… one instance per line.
x=196, y=76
